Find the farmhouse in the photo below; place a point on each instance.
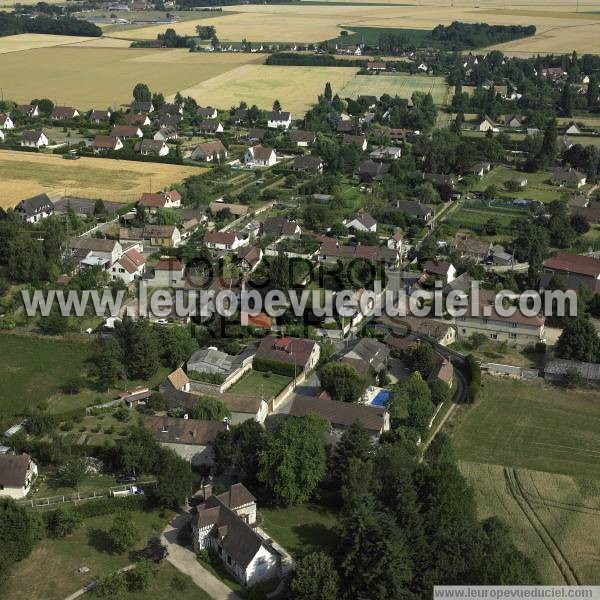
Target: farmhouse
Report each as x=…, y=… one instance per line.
x=342, y=415
x=568, y=177
x=35, y=209
x=170, y=199
x=162, y=235
x=126, y=131
x=17, y=473
x=33, y=139
x=261, y=156
x=348, y=49
x=277, y=119
x=487, y=125
x=207, y=113
x=223, y=240
x=362, y=222
x=129, y=267
x=312, y=164
x=302, y=138
x=189, y=438
x=152, y=148
x=28, y=110
x=480, y=169
x=209, y=151
x=138, y=120
x=210, y=127
x=226, y=524
x=6, y=122
x=573, y=271
x=103, y=143
x=298, y=353
x=61, y=113
x=98, y=116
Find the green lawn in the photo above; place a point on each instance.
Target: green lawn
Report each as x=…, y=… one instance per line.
x=301, y=529
x=532, y=425
x=170, y=583
x=257, y=383
x=50, y=571
x=34, y=368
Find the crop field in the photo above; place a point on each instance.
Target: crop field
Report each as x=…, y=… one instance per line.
x=99, y=77
x=532, y=425
x=297, y=88
x=29, y=41
x=399, y=84
x=554, y=519
x=26, y=174
x=559, y=27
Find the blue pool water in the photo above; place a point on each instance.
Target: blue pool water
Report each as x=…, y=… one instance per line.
x=381, y=399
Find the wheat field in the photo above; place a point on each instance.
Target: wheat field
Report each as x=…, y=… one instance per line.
x=26, y=174
x=30, y=41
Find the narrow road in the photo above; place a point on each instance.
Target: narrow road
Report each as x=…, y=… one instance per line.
x=184, y=560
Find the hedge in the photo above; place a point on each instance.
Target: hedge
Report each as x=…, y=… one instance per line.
x=473, y=377
x=274, y=366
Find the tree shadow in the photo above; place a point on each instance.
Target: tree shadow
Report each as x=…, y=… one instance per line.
x=316, y=536
x=100, y=541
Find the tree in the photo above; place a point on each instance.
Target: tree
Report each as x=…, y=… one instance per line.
x=139, y=452
x=72, y=472
x=123, y=534
x=140, y=347
x=549, y=147
x=327, y=92
x=276, y=106
x=17, y=534
x=141, y=93
x=440, y=450
x=421, y=358
x=294, y=462
x=592, y=91
x=279, y=272
x=112, y=586
x=108, y=362
x=140, y=578
x=315, y=578
x=174, y=479
x=566, y=100
x=580, y=224
x=210, y=409
x=62, y=522
x=342, y=382
x=440, y=391
x=579, y=340
x=176, y=345
x=55, y=323
x=355, y=443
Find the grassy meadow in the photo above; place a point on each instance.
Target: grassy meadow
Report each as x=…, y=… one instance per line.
x=27, y=174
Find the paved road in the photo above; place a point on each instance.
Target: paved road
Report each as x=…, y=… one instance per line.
x=184, y=560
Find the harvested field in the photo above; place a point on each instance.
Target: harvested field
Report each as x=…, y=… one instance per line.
x=26, y=174
x=554, y=518
x=296, y=88
x=100, y=77
x=399, y=84
x=559, y=27
x=30, y=41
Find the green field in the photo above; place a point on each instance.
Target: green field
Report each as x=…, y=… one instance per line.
x=397, y=84
x=532, y=425
x=256, y=383
x=370, y=35
x=33, y=369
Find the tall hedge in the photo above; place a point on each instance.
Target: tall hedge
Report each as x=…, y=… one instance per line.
x=473, y=372
x=274, y=366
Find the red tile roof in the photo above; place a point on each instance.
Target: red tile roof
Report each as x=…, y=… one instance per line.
x=574, y=263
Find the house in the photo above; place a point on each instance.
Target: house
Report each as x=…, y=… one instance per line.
x=249, y=257
x=487, y=125
x=209, y=151
x=129, y=267
x=33, y=139
x=226, y=525
x=98, y=116
x=62, y=113
x=346, y=126
x=190, y=439
x=136, y=396
x=342, y=415
x=311, y=164
x=440, y=269
x=572, y=129
x=386, y=153
x=212, y=361
x=367, y=355
x=362, y=222
x=565, y=144
x=210, y=127
x=481, y=168
x=17, y=473
x=280, y=227
x=170, y=108
x=370, y=170
x=126, y=131
x=207, y=112
x=137, y=119
x=162, y=235
x=256, y=134
x=414, y=210
x=573, y=270
x=557, y=369
x=170, y=199
x=568, y=177
x=152, y=148
x=168, y=272
x=302, y=354
x=518, y=182
x=358, y=140
x=331, y=252
x=395, y=241
x=501, y=257
x=245, y=408
x=302, y=138
x=28, y=110
x=277, y=119
x=166, y=134
x=442, y=369
x=223, y=240
x=483, y=318
x=237, y=210
x=35, y=209
x=397, y=134
x=260, y=156
x=142, y=106
x=436, y=330
x=96, y=251
x=348, y=49
x=471, y=248
x=376, y=66
x=579, y=200
x=102, y=143
x=514, y=121
x=553, y=72
x=240, y=115
x=6, y=122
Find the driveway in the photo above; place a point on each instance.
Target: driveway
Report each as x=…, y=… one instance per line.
x=184, y=560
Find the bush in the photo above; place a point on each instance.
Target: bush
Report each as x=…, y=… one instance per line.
x=62, y=522
x=540, y=348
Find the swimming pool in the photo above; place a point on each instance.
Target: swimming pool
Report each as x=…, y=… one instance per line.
x=381, y=398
